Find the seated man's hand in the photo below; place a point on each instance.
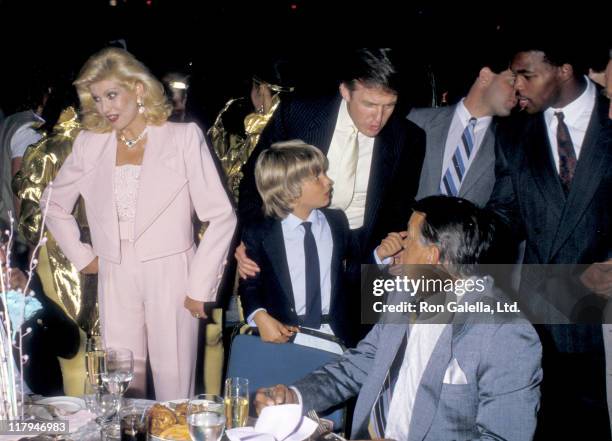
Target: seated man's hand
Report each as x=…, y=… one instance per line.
x=271, y=330
x=246, y=266
x=598, y=278
x=391, y=245
x=272, y=396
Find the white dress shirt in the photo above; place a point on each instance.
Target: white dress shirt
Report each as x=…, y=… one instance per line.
x=344, y=128
x=460, y=121
x=23, y=137
x=576, y=116
x=422, y=340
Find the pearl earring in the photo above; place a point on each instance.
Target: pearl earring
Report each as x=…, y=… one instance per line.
x=141, y=107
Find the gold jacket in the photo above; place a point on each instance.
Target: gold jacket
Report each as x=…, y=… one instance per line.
x=77, y=293
x=233, y=150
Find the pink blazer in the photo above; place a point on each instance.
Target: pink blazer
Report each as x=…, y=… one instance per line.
x=177, y=177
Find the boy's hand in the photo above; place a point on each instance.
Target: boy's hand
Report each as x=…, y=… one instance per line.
x=391, y=245
x=246, y=266
x=271, y=330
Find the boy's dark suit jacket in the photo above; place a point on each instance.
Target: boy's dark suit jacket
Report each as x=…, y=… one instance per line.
x=271, y=287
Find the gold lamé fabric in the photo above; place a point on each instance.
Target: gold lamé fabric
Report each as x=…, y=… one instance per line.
x=41, y=162
x=234, y=149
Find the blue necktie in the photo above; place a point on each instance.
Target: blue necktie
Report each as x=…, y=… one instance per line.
x=312, y=318
x=455, y=172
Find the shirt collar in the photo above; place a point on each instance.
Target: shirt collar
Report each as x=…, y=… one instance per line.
x=464, y=116
x=345, y=122
x=573, y=110
x=291, y=222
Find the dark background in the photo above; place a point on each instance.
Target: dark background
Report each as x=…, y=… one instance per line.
x=218, y=42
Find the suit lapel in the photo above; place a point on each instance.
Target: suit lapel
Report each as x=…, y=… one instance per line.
x=389, y=343
x=159, y=181
x=322, y=125
x=336, y=253
x=483, y=161
x=428, y=393
x=274, y=246
x=437, y=144
x=384, y=161
x=101, y=188
x=593, y=161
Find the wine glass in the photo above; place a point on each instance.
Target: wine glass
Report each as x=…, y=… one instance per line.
x=94, y=363
x=118, y=372
x=205, y=418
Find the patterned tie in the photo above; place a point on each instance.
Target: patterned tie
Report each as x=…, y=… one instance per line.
x=455, y=172
x=380, y=410
x=312, y=318
x=567, y=155
x=344, y=183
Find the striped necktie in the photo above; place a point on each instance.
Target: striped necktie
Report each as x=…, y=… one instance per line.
x=455, y=172
x=380, y=410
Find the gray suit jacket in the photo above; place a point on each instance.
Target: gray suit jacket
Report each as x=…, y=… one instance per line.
x=501, y=361
x=478, y=183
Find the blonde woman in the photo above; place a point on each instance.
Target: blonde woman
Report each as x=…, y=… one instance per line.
x=142, y=178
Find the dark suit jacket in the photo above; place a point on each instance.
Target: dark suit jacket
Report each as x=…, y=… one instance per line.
x=529, y=197
x=398, y=155
x=576, y=229
x=271, y=287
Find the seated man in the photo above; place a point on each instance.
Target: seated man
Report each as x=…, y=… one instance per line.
x=427, y=381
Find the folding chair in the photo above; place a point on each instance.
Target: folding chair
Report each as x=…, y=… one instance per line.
x=269, y=364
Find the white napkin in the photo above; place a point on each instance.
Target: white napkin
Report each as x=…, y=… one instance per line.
x=276, y=423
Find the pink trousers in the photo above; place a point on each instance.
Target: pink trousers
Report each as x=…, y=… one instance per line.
x=141, y=307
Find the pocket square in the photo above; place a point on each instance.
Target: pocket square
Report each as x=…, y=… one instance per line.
x=454, y=374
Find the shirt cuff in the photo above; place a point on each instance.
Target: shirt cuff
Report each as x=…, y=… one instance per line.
x=251, y=316
x=297, y=394
x=385, y=261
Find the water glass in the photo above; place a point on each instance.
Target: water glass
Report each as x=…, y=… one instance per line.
x=204, y=425
x=236, y=401
x=133, y=424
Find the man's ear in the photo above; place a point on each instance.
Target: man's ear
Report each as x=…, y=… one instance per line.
x=485, y=76
x=345, y=92
x=433, y=256
x=566, y=71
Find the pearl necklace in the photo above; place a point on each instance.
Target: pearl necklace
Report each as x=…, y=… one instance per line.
x=130, y=143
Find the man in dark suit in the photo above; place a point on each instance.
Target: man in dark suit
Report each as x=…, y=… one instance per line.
x=554, y=189
x=460, y=155
x=375, y=156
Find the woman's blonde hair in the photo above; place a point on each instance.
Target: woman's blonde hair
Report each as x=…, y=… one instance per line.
x=121, y=66
x=280, y=172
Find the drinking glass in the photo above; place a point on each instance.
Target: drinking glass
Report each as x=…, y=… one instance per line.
x=205, y=418
x=94, y=361
x=102, y=405
x=236, y=401
x=118, y=372
x=133, y=424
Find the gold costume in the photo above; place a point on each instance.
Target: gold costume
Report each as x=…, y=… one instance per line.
x=62, y=282
x=233, y=150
